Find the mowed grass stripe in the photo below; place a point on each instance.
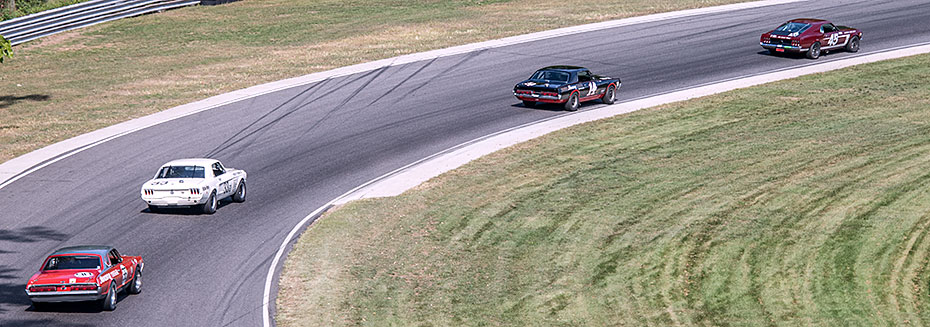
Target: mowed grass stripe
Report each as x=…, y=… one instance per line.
x=800, y=202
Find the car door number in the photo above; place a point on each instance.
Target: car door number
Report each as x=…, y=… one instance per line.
x=592, y=88
x=834, y=38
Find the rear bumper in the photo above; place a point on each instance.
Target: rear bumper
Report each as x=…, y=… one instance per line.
x=173, y=201
x=786, y=48
x=72, y=296
x=540, y=98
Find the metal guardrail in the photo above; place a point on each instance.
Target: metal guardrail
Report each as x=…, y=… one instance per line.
x=45, y=23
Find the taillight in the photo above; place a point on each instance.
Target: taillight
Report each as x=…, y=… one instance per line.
x=149, y=192
x=84, y=288
x=42, y=289
x=523, y=92
x=796, y=43
x=195, y=191
x=551, y=94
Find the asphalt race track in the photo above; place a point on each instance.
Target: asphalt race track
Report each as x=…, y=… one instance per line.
x=304, y=146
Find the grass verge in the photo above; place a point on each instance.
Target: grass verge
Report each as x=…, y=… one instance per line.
x=28, y=7
x=801, y=202
x=79, y=81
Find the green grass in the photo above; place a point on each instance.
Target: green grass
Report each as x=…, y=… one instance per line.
x=801, y=202
x=82, y=80
x=27, y=7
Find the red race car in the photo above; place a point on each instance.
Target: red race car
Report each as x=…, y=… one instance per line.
x=85, y=273
x=810, y=37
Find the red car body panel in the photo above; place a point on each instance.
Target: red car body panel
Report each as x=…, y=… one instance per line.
x=829, y=36
x=73, y=285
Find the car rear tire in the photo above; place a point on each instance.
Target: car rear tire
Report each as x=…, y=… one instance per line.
x=239, y=196
x=572, y=104
x=135, y=287
x=209, y=207
x=154, y=209
x=610, y=95
x=109, y=302
x=853, y=44
x=529, y=104
x=814, y=51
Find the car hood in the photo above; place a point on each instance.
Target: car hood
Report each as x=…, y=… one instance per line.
x=173, y=183
x=67, y=276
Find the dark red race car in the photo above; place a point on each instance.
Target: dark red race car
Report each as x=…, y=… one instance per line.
x=810, y=37
x=85, y=273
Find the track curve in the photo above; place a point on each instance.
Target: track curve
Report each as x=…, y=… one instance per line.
x=304, y=146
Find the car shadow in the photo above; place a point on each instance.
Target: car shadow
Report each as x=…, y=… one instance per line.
x=797, y=56
x=557, y=107
x=192, y=211
x=75, y=307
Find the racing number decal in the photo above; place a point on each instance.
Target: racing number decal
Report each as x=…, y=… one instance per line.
x=592, y=89
x=834, y=38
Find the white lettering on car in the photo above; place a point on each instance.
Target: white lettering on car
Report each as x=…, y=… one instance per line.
x=83, y=274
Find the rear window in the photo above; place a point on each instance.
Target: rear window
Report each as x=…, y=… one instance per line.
x=550, y=75
x=73, y=262
x=180, y=172
x=791, y=27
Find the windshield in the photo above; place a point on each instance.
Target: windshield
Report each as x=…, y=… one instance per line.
x=180, y=172
x=791, y=27
x=73, y=262
x=551, y=75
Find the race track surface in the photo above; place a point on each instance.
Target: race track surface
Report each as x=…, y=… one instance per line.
x=304, y=146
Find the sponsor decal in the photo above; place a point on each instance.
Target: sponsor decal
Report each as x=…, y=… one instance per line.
x=530, y=84
x=83, y=274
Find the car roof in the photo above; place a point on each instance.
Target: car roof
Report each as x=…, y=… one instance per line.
x=101, y=250
x=808, y=20
x=191, y=162
x=564, y=68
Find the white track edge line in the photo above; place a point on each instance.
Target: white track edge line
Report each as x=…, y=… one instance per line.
x=18, y=167
x=676, y=96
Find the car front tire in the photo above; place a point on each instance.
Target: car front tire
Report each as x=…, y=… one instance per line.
x=814, y=51
x=610, y=95
x=136, y=286
x=853, y=44
x=209, y=207
x=239, y=196
x=572, y=104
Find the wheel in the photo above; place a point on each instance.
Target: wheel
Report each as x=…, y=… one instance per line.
x=572, y=103
x=853, y=44
x=773, y=52
x=136, y=286
x=239, y=196
x=814, y=51
x=109, y=303
x=209, y=207
x=529, y=104
x=610, y=96
x=153, y=209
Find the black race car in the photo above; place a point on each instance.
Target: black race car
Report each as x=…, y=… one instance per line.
x=568, y=85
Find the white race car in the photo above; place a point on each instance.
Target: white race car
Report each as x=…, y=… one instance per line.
x=199, y=183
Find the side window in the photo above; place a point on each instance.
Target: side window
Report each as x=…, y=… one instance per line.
x=218, y=169
x=114, y=257
x=827, y=28
x=584, y=76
